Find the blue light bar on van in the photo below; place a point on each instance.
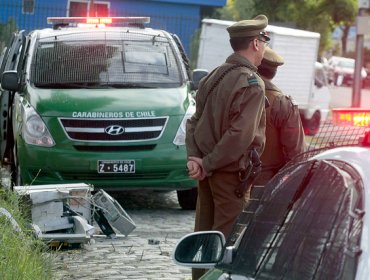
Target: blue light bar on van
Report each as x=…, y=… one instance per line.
x=97, y=20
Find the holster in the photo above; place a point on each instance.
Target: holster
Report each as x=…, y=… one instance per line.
x=247, y=175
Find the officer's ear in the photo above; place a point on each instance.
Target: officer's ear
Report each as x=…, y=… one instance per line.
x=255, y=43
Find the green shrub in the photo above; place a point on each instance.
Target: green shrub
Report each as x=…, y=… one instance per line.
x=21, y=255
x=6, y=31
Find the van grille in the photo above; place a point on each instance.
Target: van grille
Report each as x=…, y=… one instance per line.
x=114, y=148
x=124, y=130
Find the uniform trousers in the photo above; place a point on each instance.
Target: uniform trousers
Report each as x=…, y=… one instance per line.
x=217, y=205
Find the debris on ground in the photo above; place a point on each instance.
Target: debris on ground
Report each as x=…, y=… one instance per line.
x=64, y=213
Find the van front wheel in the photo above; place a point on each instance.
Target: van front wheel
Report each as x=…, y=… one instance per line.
x=16, y=176
x=187, y=198
x=16, y=171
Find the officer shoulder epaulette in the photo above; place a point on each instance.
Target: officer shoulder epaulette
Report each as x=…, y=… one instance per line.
x=252, y=79
x=292, y=100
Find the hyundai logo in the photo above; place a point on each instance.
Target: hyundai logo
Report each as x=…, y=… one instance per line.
x=114, y=130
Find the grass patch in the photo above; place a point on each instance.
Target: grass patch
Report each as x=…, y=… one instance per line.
x=22, y=256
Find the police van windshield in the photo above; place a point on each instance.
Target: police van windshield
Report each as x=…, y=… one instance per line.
x=78, y=61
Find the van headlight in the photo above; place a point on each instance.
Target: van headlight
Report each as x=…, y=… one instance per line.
x=34, y=130
x=181, y=131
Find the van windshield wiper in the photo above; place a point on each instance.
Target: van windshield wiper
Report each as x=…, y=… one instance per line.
x=129, y=85
x=67, y=85
x=91, y=85
x=104, y=85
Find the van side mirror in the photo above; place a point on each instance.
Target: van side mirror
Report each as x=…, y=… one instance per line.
x=198, y=74
x=10, y=81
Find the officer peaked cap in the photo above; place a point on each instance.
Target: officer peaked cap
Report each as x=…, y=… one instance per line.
x=249, y=28
x=271, y=58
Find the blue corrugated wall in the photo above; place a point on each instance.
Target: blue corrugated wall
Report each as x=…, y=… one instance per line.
x=178, y=16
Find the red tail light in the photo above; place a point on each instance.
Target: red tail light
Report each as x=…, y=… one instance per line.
x=351, y=117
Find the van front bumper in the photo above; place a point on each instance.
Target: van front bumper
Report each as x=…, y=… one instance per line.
x=162, y=168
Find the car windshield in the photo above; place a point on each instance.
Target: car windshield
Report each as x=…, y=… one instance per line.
x=75, y=61
x=303, y=227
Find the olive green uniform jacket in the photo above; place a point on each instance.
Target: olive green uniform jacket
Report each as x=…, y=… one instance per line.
x=228, y=120
x=284, y=133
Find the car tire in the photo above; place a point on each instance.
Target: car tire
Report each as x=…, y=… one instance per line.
x=16, y=176
x=311, y=126
x=187, y=198
x=16, y=171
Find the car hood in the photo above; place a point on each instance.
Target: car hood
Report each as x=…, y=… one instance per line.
x=126, y=103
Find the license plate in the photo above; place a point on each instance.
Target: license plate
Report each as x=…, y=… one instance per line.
x=116, y=166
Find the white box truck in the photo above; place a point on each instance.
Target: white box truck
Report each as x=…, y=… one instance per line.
x=295, y=78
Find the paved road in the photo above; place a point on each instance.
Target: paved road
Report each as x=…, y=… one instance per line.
x=341, y=97
x=158, y=218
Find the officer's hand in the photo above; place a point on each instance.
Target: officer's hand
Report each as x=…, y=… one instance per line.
x=196, y=170
x=193, y=167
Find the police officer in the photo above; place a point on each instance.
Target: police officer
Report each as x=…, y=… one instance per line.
x=229, y=121
x=284, y=131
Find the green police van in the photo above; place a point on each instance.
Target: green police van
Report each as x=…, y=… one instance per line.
x=98, y=100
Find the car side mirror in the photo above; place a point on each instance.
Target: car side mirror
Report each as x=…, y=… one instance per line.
x=201, y=249
x=198, y=74
x=10, y=81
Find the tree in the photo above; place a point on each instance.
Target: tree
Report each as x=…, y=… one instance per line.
x=332, y=14
x=321, y=16
x=236, y=10
x=344, y=16
x=6, y=30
